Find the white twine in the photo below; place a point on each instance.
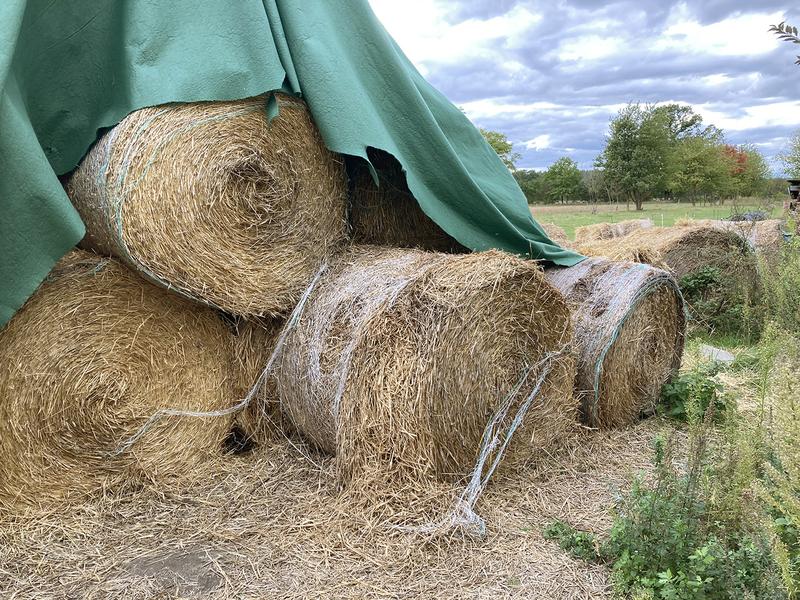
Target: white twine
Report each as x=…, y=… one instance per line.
x=463, y=515
x=174, y=412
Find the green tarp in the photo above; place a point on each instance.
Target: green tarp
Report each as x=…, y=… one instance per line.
x=69, y=68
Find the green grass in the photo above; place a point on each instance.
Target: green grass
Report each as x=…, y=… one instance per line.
x=661, y=213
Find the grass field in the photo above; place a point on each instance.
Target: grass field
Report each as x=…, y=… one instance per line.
x=662, y=213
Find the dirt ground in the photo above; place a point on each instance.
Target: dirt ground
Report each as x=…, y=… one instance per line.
x=270, y=524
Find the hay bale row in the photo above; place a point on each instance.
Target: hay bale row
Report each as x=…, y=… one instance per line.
x=608, y=231
x=716, y=269
x=212, y=200
x=89, y=358
x=557, y=234
x=401, y=358
x=629, y=330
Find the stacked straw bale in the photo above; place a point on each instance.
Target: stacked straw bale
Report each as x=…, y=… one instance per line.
x=401, y=357
x=688, y=252
x=629, y=331
x=608, y=231
x=89, y=358
x=387, y=214
x=557, y=234
x=214, y=201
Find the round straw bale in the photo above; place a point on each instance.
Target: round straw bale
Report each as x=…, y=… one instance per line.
x=765, y=237
x=715, y=269
x=401, y=358
x=629, y=330
x=214, y=201
x=89, y=358
x=387, y=214
x=607, y=231
x=557, y=234
x=253, y=345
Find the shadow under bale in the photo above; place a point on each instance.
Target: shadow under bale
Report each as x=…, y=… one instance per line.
x=83, y=365
x=213, y=200
x=629, y=332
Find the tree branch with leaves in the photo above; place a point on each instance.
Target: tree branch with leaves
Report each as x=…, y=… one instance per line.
x=787, y=33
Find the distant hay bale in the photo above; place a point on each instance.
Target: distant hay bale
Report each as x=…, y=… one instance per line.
x=715, y=268
x=89, y=358
x=215, y=202
x=388, y=214
x=629, y=331
x=612, y=249
x=765, y=237
x=607, y=231
x=557, y=234
x=401, y=358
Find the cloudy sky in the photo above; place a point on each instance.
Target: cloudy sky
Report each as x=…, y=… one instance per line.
x=550, y=73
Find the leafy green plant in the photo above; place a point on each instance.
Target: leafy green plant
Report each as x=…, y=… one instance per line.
x=693, y=533
x=691, y=394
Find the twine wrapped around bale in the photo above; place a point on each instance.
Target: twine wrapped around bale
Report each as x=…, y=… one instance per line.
x=387, y=214
x=629, y=330
x=607, y=231
x=715, y=269
x=216, y=202
x=254, y=343
x=88, y=359
x=401, y=358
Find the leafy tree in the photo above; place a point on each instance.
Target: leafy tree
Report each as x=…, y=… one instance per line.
x=505, y=149
x=683, y=122
x=563, y=181
x=699, y=167
x=751, y=174
x=532, y=185
x=791, y=158
x=786, y=33
x=637, y=148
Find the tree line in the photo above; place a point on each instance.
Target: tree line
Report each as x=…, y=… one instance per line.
x=650, y=152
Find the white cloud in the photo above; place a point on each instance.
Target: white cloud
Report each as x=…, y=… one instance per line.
x=540, y=142
x=742, y=35
x=590, y=47
x=786, y=114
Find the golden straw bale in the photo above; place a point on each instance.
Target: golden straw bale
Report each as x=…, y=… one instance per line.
x=765, y=237
x=215, y=202
x=388, y=214
x=607, y=231
x=557, y=234
x=401, y=357
x=715, y=268
x=253, y=345
x=89, y=358
x=629, y=332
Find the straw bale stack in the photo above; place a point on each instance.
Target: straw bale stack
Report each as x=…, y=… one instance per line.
x=765, y=237
x=387, y=214
x=607, y=231
x=89, y=358
x=629, y=331
x=212, y=200
x=401, y=358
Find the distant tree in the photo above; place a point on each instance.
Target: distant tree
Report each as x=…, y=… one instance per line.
x=637, y=148
x=791, y=158
x=700, y=168
x=682, y=122
x=750, y=172
x=786, y=33
x=531, y=184
x=505, y=149
x=563, y=181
